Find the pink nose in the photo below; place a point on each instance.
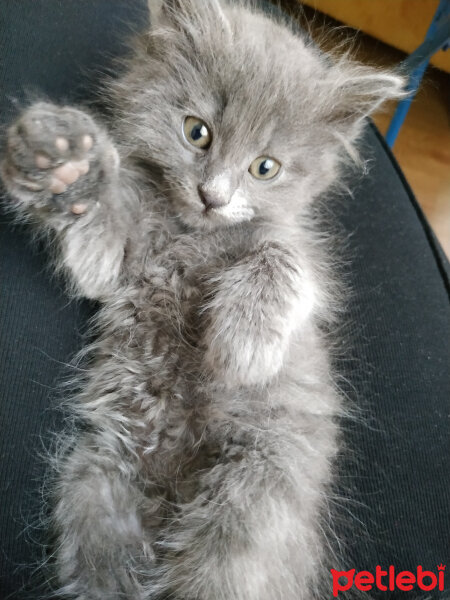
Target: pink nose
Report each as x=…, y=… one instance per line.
x=210, y=199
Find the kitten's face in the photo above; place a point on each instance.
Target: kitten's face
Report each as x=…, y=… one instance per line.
x=233, y=113
x=225, y=162
x=224, y=184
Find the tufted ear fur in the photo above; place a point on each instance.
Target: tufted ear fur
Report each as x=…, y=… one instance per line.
x=356, y=91
x=184, y=14
x=154, y=8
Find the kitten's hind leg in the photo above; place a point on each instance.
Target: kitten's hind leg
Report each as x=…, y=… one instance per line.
x=251, y=532
x=101, y=524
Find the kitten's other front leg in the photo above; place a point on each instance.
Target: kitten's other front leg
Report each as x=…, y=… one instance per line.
x=254, y=308
x=61, y=171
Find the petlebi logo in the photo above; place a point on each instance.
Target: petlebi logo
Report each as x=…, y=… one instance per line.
x=389, y=579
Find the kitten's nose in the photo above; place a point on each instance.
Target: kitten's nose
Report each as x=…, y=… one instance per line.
x=211, y=199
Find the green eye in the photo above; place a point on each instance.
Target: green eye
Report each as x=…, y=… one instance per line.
x=197, y=132
x=264, y=167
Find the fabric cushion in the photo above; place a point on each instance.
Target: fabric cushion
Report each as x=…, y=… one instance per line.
x=396, y=332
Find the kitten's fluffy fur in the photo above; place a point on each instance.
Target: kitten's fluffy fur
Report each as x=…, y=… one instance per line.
x=209, y=409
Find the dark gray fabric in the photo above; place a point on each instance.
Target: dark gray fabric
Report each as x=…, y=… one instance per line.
x=397, y=330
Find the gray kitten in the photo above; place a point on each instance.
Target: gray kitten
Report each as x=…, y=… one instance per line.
x=209, y=408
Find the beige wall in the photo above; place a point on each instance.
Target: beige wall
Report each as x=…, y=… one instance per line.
x=400, y=23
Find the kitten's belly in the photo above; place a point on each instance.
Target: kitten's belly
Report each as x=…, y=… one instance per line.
x=159, y=319
x=149, y=370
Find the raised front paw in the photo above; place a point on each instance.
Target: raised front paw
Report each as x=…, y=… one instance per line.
x=55, y=157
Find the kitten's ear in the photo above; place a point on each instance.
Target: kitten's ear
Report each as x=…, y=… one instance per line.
x=154, y=8
x=356, y=91
x=175, y=13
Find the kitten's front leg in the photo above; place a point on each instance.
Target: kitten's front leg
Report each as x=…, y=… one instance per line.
x=61, y=171
x=254, y=308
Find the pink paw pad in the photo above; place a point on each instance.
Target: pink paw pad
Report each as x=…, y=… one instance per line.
x=57, y=186
x=66, y=174
x=42, y=161
x=87, y=142
x=79, y=208
x=62, y=144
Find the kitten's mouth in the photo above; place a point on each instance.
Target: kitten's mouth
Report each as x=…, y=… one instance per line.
x=228, y=214
x=208, y=211
x=210, y=215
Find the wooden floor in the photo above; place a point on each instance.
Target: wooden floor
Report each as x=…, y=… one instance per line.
x=423, y=146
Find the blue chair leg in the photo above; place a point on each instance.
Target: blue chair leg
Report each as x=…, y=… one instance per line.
x=436, y=38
